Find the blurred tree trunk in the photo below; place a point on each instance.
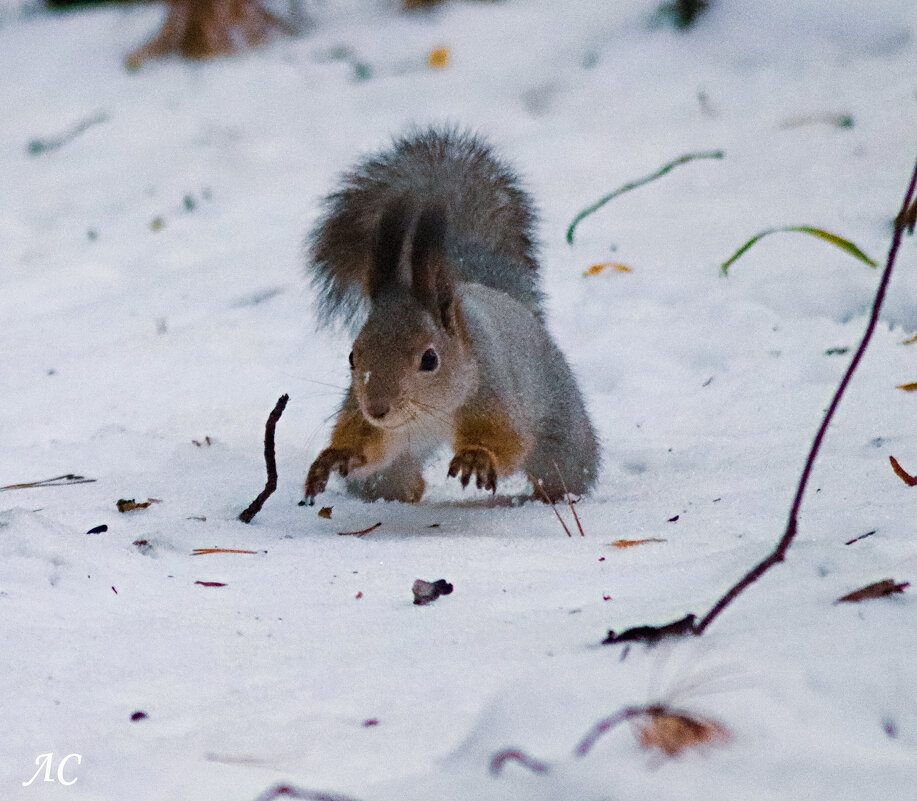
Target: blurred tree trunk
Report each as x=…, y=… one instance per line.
x=200, y=29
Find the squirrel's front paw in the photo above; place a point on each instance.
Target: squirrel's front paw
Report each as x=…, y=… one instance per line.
x=329, y=460
x=476, y=461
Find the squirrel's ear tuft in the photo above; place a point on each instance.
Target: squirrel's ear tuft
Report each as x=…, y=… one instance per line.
x=430, y=277
x=390, y=235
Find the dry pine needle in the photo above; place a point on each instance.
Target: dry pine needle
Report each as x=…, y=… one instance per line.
x=632, y=543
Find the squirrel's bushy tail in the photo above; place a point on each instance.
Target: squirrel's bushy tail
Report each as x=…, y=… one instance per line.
x=489, y=220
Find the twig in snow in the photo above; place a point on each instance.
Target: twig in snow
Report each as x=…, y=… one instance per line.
x=269, y=460
x=289, y=791
x=571, y=502
x=861, y=537
x=662, y=727
x=57, y=481
x=550, y=500
x=688, y=624
x=715, y=154
x=361, y=533
x=515, y=755
x=606, y=724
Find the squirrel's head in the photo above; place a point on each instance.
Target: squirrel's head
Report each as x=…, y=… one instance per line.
x=410, y=362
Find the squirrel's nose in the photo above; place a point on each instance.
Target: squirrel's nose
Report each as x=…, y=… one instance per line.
x=377, y=409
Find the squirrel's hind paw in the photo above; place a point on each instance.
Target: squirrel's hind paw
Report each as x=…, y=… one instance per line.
x=476, y=461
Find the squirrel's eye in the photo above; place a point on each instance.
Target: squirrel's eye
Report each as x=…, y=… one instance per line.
x=350, y=359
x=429, y=361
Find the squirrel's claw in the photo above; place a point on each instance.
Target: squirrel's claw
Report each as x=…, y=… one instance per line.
x=477, y=462
x=326, y=463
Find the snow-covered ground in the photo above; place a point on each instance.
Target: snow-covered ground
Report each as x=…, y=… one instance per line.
x=152, y=296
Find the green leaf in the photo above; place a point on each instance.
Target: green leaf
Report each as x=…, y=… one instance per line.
x=833, y=239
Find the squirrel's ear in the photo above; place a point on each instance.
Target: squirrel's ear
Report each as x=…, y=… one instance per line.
x=386, y=257
x=430, y=276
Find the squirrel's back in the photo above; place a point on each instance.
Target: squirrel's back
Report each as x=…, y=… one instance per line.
x=489, y=219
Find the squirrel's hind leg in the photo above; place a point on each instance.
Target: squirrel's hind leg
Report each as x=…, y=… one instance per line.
x=563, y=462
x=401, y=480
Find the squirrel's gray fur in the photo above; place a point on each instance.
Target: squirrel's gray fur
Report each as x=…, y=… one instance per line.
x=491, y=219
x=429, y=247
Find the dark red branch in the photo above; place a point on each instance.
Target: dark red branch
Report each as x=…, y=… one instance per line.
x=628, y=713
x=515, y=755
x=688, y=625
x=289, y=791
x=269, y=460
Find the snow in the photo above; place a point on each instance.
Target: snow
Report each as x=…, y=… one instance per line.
x=125, y=348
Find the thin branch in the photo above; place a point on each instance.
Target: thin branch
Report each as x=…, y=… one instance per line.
x=549, y=500
x=628, y=713
x=289, y=791
x=779, y=553
x=269, y=460
x=515, y=755
x=570, y=501
x=688, y=625
x=361, y=533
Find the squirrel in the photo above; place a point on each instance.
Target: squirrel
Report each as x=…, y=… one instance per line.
x=429, y=244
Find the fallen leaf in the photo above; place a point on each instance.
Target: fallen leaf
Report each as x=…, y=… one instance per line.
x=439, y=58
x=325, y=512
x=674, y=732
x=425, y=592
x=906, y=477
x=595, y=269
x=98, y=529
x=912, y=387
x=129, y=504
x=878, y=590
x=632, y=543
